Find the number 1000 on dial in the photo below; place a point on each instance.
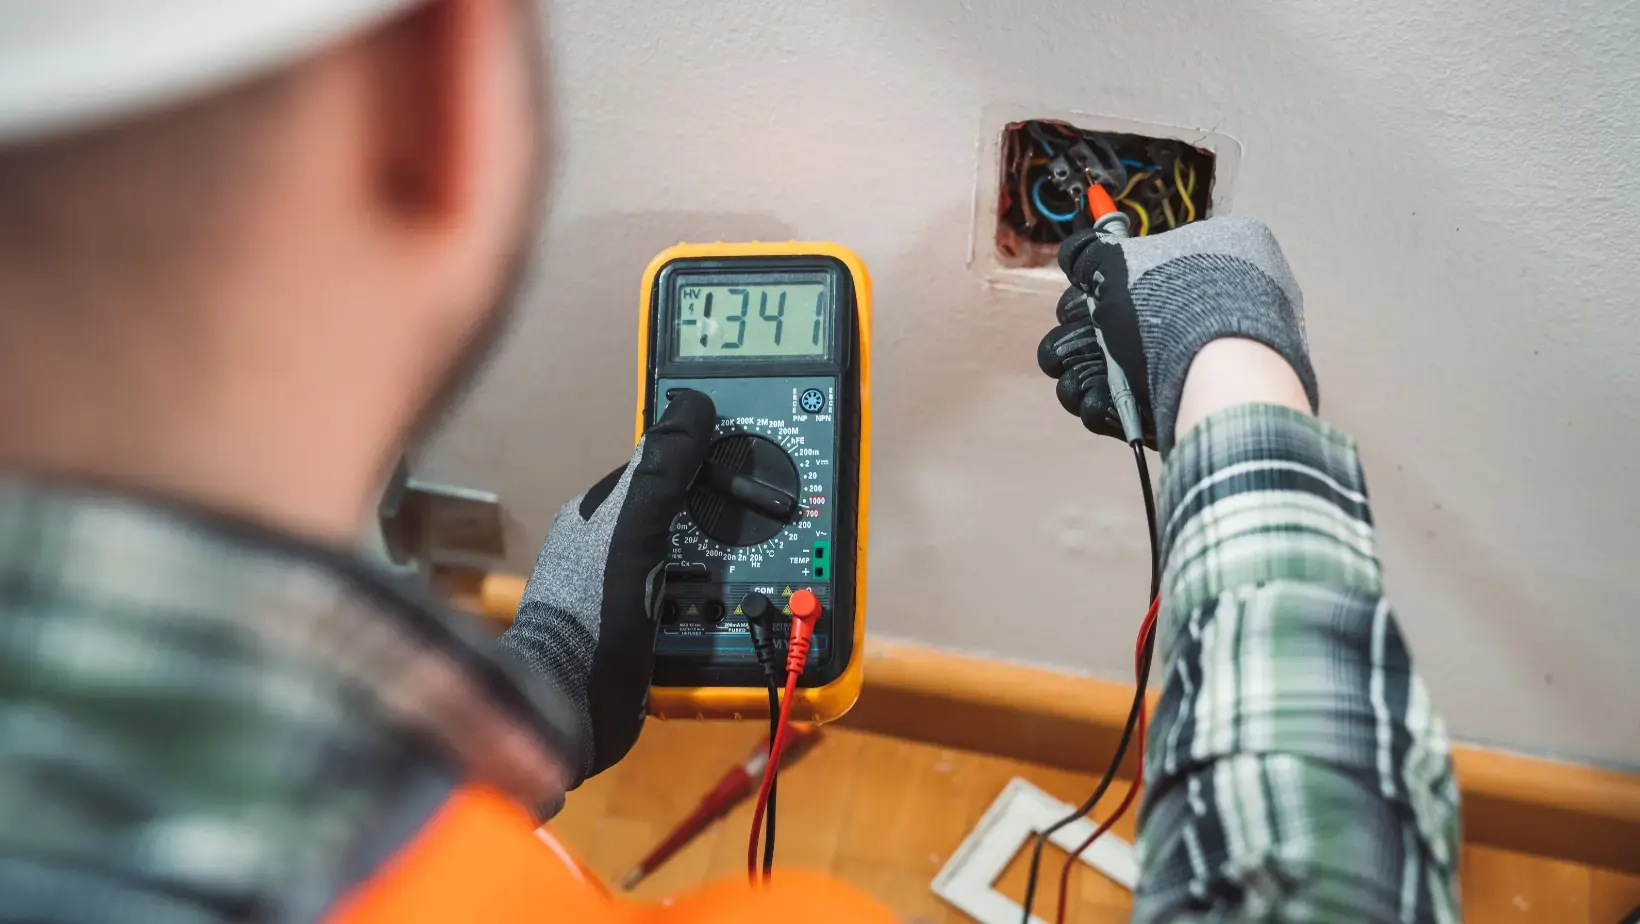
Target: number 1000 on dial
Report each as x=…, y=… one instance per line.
x=724, y=321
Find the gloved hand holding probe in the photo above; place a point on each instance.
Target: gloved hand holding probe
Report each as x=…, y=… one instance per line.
x=1160, y=299
x=1265, y=566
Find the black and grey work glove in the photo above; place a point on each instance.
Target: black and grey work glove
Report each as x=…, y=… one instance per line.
x=587, y=619
x=1158, y=300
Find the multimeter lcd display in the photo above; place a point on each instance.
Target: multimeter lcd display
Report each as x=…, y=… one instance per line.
x=731, y=320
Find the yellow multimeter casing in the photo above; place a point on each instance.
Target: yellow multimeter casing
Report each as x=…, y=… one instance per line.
x=779, y=336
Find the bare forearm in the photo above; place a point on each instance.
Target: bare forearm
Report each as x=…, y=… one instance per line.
x=1234, y=371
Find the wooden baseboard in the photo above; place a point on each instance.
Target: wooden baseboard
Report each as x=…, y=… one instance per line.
x=1566, y=811
x=980, y=704
x=1533, y=805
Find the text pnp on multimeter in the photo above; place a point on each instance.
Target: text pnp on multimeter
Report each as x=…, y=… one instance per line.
x=778, y=336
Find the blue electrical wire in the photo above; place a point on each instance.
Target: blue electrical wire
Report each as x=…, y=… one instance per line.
x=1036, y=200
x=1130, y=162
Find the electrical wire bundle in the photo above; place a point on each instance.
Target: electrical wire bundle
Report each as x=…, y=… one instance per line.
x=1050, y=167
x=1065, y=165
x=1143, y=651
x=1147, y=192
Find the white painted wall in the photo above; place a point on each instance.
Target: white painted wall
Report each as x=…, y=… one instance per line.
x=1455, y=185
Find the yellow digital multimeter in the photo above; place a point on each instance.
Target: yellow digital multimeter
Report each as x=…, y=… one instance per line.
x=779, y=336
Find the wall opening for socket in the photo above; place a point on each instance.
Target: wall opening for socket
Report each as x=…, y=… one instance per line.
x=1046, y=164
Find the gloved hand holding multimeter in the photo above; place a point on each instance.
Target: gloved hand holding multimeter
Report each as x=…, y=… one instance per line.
x=587, y=617
x=750, y=480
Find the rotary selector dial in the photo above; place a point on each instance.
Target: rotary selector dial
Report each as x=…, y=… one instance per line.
x=761, y=503
x=747, y=492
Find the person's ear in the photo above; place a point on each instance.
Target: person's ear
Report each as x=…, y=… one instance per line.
x=454, y=114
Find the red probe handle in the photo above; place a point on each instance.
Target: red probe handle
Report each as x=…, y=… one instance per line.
x=1100, y=203
x=717, y=803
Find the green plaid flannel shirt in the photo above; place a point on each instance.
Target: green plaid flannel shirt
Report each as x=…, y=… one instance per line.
x=201, y=722
x=1296, y=770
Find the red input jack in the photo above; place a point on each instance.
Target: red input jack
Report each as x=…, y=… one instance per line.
x=805, y=609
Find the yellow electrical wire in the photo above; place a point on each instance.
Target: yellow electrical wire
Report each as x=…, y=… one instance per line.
x=1163, y=196
x=1144, y=215
x=1132, y=182
x=1186, y=190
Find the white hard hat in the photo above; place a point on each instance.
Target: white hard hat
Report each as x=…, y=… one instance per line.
x=69, y=64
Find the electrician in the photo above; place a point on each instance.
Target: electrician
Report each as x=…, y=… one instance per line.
x=249, y=251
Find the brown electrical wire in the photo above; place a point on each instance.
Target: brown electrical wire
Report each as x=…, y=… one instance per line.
x=1022, y=159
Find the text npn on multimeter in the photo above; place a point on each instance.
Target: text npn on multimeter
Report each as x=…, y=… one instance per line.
x=778, y=336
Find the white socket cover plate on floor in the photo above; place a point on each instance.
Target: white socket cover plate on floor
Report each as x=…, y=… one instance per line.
x=968, y=881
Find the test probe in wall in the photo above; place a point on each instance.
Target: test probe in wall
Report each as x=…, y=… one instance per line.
x=1080, y=167
x=1111, y=223
x=805, y=612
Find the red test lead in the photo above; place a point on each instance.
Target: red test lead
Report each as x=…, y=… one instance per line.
x=805, y=608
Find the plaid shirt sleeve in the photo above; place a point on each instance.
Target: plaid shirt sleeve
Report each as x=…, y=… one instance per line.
x=1296, y=769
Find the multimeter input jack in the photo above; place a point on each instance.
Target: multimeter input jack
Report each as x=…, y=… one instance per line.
x=714, y=611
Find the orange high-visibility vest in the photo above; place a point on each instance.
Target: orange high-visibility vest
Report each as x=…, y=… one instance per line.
x=479, y=859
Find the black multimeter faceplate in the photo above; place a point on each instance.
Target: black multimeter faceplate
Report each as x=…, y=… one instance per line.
x=794, y=390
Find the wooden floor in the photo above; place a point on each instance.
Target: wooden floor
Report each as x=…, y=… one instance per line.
x=885, y=814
